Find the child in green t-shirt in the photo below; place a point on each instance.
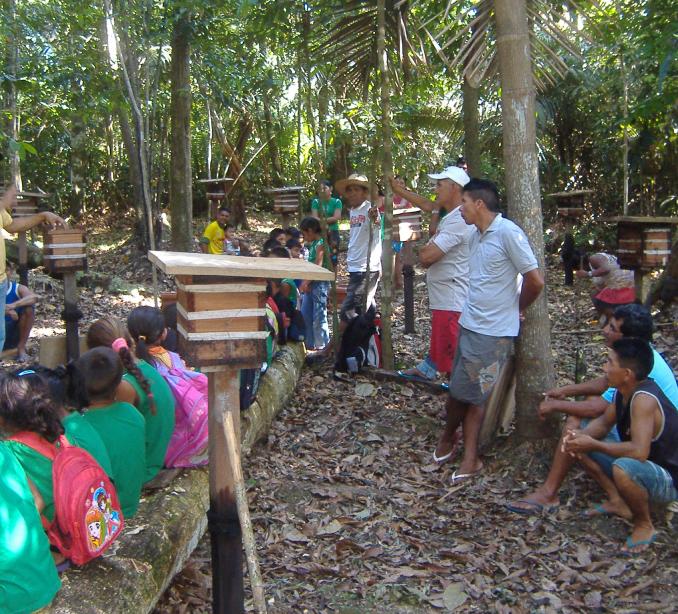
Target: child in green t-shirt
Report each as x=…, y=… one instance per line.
x=314, y=305
x=121, y=427
x=142, y=386
x=28, y=576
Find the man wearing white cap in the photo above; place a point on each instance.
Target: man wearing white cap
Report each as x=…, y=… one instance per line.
x=445, y=257
x=355, y=190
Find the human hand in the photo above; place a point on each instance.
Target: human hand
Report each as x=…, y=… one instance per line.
x=576, y=442
x=581, y=273
x=546, y=408
x=556, y=393
x=304, y=286
x=373, y=213
x=12, y=314
x=53, y=219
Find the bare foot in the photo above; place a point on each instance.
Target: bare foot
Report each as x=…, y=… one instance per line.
x=535, y=500
x=22, y=356
x=641, y=539
x=611, y=508
x=446, y=447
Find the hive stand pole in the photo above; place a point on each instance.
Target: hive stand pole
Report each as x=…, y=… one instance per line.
x=23, y=258
x=222, y=517
x=71, y=315
x=408, y=286
x=285, y=220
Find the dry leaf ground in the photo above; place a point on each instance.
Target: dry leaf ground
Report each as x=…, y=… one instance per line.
x=351, y=516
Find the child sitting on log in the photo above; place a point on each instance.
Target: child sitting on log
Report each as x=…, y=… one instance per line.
x=188, y=444
x=613, y=286
x=121, y=427
x=142, y=386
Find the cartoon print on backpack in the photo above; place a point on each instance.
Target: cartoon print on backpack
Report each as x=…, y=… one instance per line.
x=103, y=522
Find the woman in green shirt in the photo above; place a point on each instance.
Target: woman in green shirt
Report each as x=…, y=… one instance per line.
x=141, y=386
x=331, y=212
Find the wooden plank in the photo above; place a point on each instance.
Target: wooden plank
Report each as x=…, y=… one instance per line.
x=629, y=219
x=218, y=180
x=215, y=314
x=243, y=353
x=221, y=336
x=500, y=405
x=192, y=301
x=229, y=325
x=52, y=351
x=434, y=387
x=183, y=263
x=221, y=287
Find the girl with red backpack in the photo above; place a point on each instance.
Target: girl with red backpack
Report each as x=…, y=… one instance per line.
x=142, y=386
x=188, y=445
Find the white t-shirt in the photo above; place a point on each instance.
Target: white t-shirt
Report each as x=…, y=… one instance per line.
x=359, y=236
x=498, y=258
x=447, y=279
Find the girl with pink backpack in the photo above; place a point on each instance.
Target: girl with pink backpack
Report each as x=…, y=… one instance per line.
x=188, y=445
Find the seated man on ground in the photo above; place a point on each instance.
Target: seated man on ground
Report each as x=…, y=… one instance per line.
x=642, y=467
x=627, y=321
x=19, y=318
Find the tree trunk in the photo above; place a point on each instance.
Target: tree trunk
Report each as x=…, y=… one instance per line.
x=181, y=193
x=533, y=349
x=12, y=65
x=273, y=153
x=387, y=171
x=471, y=96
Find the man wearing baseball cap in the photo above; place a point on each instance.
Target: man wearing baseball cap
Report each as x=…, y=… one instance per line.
x=445, y=258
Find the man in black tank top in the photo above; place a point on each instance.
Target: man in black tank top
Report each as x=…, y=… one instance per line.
x=643, y=466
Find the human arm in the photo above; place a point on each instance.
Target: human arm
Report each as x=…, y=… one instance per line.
x=26, y=298
x=336, y=215
x=533, y=284
x=591, y=388
x=320, y=253
x=205, y=245
x=20, y=224
x=590, y=408
x=430, y=254
x=643, y=409
x=425, y=204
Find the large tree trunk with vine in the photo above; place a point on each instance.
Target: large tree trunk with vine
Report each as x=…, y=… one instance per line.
x=181, y=192
x=534, y=366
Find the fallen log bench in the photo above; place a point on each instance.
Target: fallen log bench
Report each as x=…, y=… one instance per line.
x=158, y=541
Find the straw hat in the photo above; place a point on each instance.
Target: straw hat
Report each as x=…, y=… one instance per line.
x=353, y=179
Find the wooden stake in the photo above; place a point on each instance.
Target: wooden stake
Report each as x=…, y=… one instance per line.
x=71, y=316
x=225, y=535
x=244, y=514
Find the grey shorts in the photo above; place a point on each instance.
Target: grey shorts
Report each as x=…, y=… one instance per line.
x=477, y=365
x=355, y=294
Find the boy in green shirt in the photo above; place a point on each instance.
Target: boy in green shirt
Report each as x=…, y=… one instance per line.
x=331, y=211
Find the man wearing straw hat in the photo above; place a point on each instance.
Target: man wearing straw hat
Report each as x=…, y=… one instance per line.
x=364, y=248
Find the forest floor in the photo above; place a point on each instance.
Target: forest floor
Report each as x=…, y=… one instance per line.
x=351, y=516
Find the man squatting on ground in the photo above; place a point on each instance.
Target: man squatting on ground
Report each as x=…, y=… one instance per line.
x=19, y=317
x=355, y=190
x=445, y=258
x=499, y=254
x=643, y=465
x=7, y=201
x=628, y=321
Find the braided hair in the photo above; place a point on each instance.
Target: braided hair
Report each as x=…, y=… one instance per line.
x=103, y=333
x=100, y=373
x=26, y=405
x=146, y=325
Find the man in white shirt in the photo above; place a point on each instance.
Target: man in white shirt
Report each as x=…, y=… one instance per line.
x=504, y=280
x=364, y=220
x=445, y=257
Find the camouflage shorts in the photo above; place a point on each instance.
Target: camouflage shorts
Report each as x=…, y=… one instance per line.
x=477, y=365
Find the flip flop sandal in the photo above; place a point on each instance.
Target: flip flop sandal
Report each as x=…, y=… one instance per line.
x=596, y=510
x=415, y=378
x=629, y=544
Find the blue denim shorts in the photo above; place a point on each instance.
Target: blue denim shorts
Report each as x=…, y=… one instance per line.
x=654, y=479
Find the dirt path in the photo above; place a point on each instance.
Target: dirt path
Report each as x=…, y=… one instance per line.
x=351, y=516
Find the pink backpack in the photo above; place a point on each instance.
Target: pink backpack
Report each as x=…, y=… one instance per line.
x=188, y=445
x=87, y=514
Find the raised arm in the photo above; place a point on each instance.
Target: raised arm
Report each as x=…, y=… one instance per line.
x=425, y=204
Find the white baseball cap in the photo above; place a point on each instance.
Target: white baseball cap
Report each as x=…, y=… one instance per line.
x=456, y=174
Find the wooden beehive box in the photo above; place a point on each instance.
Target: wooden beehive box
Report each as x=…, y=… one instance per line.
x=24, y=207
x=286, y=200
x=571, y=203
x=644, y=243
x=221, y=304
x=64, y=250
x=407, y=224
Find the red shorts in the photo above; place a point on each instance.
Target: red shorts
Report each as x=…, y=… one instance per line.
x=444, y=337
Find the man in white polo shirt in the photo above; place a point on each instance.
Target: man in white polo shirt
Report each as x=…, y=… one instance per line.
x=445, y=257
x=503, y=281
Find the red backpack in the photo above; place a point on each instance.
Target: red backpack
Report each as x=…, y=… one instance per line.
x=87, y=515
